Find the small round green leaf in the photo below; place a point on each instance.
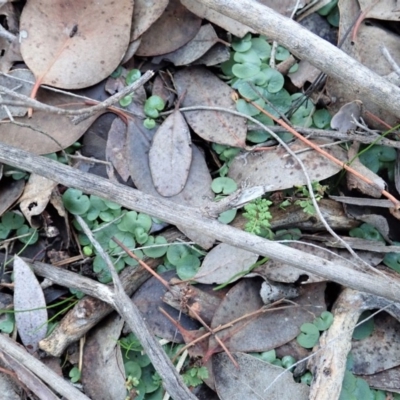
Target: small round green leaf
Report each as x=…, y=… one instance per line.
x=227, y=216
x=366, y=328
x=275, y=80
x=223, y=185
x=281, y=53
x=241, y=45
x=31, y=237
x=158, y=250
x=245, y=70
x=177, y=252
x=125, y=101
x=309, y=336
x=12, y=220
x=149, y=123
x=133, y=369
x=322, y=119
x=132, y=76
x=262, y=48
x=324, y=321
x=248, y=109
x=391, y=260
x=187, y=267
x=75, y=201
x=247, y=57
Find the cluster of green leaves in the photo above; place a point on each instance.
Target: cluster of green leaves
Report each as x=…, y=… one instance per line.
x=367, y=231
x=310, y=332
x=303, y=198
x=379, y=158
x=331, y=12
x=182, y=258
x=222, y=187
x=141, y=375
x=285, y=362
x=14, y=224
x=107, y=220
x=258, y=216
x=249, y=72
x=354, y=388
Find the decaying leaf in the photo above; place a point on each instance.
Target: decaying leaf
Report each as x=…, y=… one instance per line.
x=176, y=26
x=206, y=38
x=280, y=171
x=46, y=133
x=345, y=118
x=102, y=375
x=62, y=41
x=29, y=306
x=253, y=377
x=202, y=88
x=145, y=13
x=9, y=193
x=224, y=263
x=36, y=196
x=116, y=148
x=170, y=155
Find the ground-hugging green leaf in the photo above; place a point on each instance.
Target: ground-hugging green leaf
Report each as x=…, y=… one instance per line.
x=71, y=37
x=201, y=87
x=28, y=295
x=170, y=155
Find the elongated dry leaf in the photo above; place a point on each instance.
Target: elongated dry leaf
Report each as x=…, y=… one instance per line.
x=281, y=171
x=202, y=88
x=145, y=13
x=102, y=377
x=253, y=377
x=72, y=43
x=197, y=191
x=170, y=155
x=46, y=133
x=224, y=263
x=28, y=295
x=206, y=37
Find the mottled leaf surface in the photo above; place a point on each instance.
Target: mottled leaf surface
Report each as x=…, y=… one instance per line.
x=224, y=263
x=170, y=155
x=201, y=87
x=63, y=41
x=28, y=295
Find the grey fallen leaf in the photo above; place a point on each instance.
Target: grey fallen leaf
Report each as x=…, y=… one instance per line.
x=343, y=120
x=170, y=155
x=253, y=378
x=28, y=295
x=273, y=291
x=224, y=263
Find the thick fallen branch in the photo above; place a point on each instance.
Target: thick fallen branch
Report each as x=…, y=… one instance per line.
x=191, y=218
x=307, y=46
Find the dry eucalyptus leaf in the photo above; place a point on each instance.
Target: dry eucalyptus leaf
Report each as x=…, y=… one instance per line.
x=283, y=172
x=224, y=263
x=252, y=378
x=10, y=191
x=116, y=148
x=28, y=295
x=170, y=155
x=202, y=88
x=218, y=54
x=102, y=376
x=344, y=119
x=176, y=26
x=47, y=132
x=197, y=191
x=63, y=42
x=192, y=51
x=36, y=196
x=385, y=10
x=263, y=331
x=145, y=13
x=236, y=28
x=15, y=80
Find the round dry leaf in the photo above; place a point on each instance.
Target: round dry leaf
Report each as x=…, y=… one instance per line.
x=145, y=13
x=74, y=44
x=200, y=87
x=170, y=155
x=282, y=171
x=176, y=26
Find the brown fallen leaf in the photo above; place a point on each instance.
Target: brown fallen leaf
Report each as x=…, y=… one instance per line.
x=29, y=306
x=170, y=155
x=63, y=42
x=202, y=88
x=176, y=26
x=145, y=13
